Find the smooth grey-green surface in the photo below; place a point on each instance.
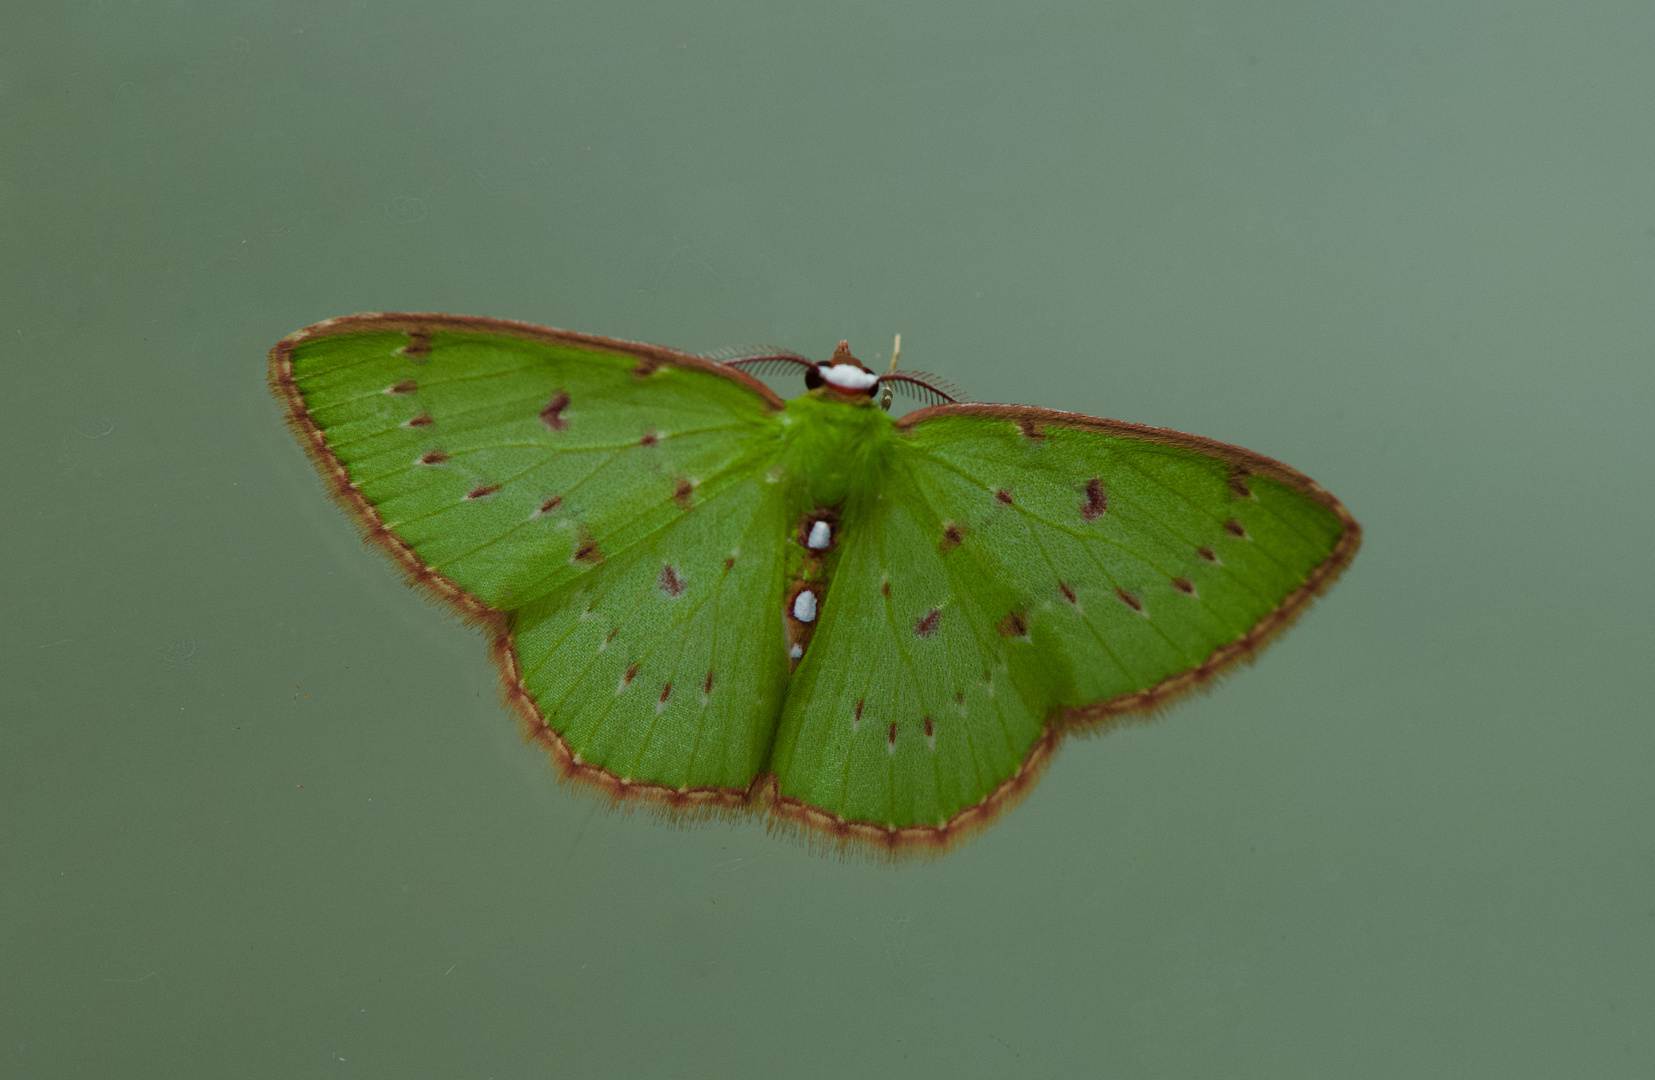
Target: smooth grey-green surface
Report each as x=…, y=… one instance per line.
x=262, y=815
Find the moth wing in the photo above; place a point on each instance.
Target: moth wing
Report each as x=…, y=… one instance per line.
x=588, y=498
x=1022, y=571
x=660, y=673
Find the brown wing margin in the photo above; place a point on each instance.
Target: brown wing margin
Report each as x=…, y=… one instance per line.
x=688, y=802
x=1099, y=716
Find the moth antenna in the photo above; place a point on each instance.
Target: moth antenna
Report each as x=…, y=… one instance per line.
x=773, y=364
x=896, y=351
x=926, y=388
x=752, y=352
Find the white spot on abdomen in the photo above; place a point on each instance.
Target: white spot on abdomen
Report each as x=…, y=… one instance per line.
x=821, y=535
x=804, y=606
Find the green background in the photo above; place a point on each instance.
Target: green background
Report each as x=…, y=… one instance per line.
x=261, y=814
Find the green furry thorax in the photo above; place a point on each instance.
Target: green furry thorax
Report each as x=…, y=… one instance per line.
x=835, y=445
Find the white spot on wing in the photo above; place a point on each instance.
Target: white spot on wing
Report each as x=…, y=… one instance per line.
x=795, y=652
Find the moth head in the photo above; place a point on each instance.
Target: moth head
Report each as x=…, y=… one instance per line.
x=844, y=377
x=847, y=379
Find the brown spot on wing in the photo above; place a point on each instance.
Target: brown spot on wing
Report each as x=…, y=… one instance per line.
x=707, y=686
x=482, y=491
x=890, y=734
x=926, y=625
x=885, y=587
x=859, y=705
x=551, y=504
x=418, y=347
x=930, y=729
x=611, y=635
x=952, y=534
x=434, y=457
x=645, y=367
x=1068, y=593
x=631, y=673
x=1184, y=585
x=552, y=414
x=1234, y=528
x=683, y=493
x=418, y=420
x=586, y=549
x=1207, y=553
x=1130, y=600
x=666, y=692
x=1003, y=495
x=729, y=561
x=1030, y=430
x=1014, y=625
x=671, y=583
x=1097, y=501
x=1238, y=483
x=650, y=439
x=406, y=386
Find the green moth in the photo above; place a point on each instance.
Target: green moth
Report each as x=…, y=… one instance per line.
x=707, y=598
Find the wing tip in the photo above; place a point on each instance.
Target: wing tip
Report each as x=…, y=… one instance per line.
x=1146, y=705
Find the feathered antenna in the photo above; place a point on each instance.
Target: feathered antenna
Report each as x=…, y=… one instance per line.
x=761, y=359
x=922, y=387
x=731, y=353
x=925, y=388
x=770, y=365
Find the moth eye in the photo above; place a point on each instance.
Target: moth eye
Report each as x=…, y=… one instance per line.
x=813, y=378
